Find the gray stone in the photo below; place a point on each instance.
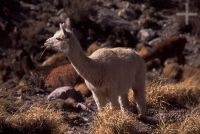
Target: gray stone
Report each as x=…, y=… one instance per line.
x=65, y=93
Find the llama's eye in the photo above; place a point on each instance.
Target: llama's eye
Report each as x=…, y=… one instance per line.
x=58, y=39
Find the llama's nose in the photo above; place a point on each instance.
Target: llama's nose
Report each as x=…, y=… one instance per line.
x=47, y=43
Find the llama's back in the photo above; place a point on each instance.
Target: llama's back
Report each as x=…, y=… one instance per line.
x=173, y=46
x=110, y=54
x=120, y=65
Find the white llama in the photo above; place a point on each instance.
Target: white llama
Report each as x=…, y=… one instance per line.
x=109, y=72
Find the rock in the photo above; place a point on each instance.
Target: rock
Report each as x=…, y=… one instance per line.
x=63, y=75
x=123, y=4
x=26, y=63
x=65, y=93
x=83, y=107
x=118, y=28
x=155, y=41
x=150, y=23
x=58, y=3
x=29, y=6
x=146, y=35
x=83, y=89
x=128, y=12
x=54, y=59
x=24, y=97
x=32, y=28
x=93, y=47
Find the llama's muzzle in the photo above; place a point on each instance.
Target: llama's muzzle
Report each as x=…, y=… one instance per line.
x=48, y=44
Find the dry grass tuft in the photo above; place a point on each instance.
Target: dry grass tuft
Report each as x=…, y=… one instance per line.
x=165, y=128
x=3, y=115
x=35, y=120
x=108, y=121
x=190, y=125
x=183, y=94
x=191, y=75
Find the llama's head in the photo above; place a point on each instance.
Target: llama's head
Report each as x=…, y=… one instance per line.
x=62, y=39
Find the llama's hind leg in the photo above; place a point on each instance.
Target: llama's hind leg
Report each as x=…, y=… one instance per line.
x=139, y=90
x=140, y=93
x=140, y=101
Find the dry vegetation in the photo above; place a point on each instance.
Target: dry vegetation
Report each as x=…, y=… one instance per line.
x=175, y=107
x=190, y=125
x=183, y=93
x=160, y=95
x=110, y=121
x=36, y=119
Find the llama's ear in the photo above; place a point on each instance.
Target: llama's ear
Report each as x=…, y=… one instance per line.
x=66, y=33
x=68, y=23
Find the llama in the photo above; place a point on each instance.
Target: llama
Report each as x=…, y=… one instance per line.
x=109, y=72
x=168, y=48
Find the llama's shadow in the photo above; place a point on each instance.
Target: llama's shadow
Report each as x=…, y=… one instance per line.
x=147, y=119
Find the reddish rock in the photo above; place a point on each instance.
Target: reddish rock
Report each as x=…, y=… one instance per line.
x=64, y=75
x=83, y=89
x=93, y=47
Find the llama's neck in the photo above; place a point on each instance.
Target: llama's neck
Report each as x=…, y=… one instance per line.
x=149, y=56
x=85, y=67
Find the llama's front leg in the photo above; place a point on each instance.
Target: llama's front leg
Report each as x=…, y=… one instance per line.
x=99, y=99
x=124, y=101
x=114, y=99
